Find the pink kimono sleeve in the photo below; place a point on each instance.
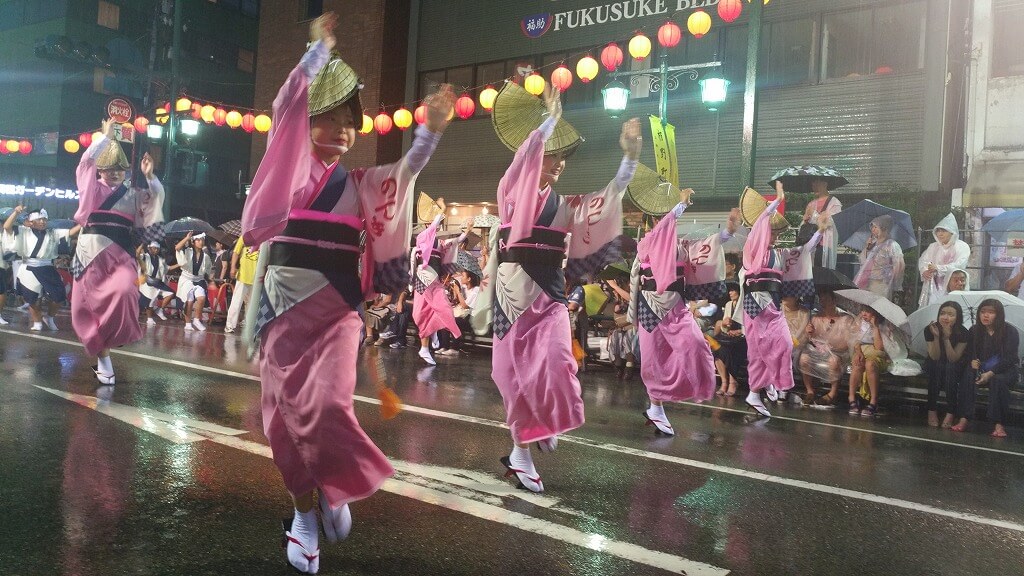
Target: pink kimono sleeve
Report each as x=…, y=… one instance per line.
x=519, y=202
x=659, y=248
x=595, y=221
x=90, y=190
x=755, y=251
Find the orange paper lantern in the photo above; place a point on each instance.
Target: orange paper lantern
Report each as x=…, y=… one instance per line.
x=382, y=123
x=206, y=113
x=85, y=139
x=248, y=122
x=141, y=123
x=25, y=147
x=183, y=105
x=220, y=116
x=561, y=78
x=669, y=34
x=464, y=106
x=611, y=57
x=729, y=10
x=197, y=111
x=420, y=115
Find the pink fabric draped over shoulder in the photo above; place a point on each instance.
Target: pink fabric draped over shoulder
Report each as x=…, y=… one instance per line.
x=659, y=248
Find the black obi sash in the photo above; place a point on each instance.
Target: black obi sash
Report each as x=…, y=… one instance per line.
x=648, y=284
x=340, y=266
x=543, y=262
x=764, y=282
x=113, y=226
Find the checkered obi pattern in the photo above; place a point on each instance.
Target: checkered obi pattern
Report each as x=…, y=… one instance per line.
x=502, y=324
x=265, y=315
x=645, y=316
x=797, y=288
x=764, y=284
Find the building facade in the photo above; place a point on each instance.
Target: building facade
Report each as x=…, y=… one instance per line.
x=61, y=61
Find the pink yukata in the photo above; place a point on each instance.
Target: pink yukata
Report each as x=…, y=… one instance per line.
x=105, y=301
x=431, y=310
x=312, y=215
x=676, y=362
x=769, y=343
x=532, y=361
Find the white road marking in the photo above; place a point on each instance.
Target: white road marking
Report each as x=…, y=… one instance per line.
x=743, y=473
x=439, y=497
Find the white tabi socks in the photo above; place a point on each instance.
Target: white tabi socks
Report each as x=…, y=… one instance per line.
x=104, y=370
x=337, y=521
x=656, y=415
x=520, y=463
x=303, y=545
x=754, y=401
x=425, y=354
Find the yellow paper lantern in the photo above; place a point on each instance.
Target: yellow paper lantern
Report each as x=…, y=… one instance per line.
x=97, y=135
x=162, y=115
x=765, y=1
x=12, y=146
x=639, y=46
x=183, y=105
x=487, y=96
x=71, y=146
x=534, y=84
x=234, y=119
x=262, y=123
x=403, y=118
x=367, y=126
x=587, y=68
x=698, y=23
x=206, y=113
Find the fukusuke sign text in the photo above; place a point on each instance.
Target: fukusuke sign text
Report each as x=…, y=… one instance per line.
x=537, y=25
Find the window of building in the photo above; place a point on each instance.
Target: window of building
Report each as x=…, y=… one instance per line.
x=1007, y=43
x=108, y=15
x=246, y=60
x=883, y=40
x=311, y=9
x=100, y=77
x=734, y=59
x=429, y=81
x=787, y=52
x=492, y=73
x=460, y=78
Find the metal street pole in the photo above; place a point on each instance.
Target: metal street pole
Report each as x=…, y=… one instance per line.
x=172, y=122
x=749, y=143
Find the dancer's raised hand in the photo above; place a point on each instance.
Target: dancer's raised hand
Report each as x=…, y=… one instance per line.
x=631, y=141
x=553, y=101
x=323, y=29
x=686, y=196
x=440, y=105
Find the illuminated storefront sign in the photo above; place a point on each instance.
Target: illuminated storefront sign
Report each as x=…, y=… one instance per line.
x=37, y=192
x=537, y=25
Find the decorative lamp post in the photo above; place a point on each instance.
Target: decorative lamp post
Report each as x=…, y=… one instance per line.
x=162, y=115
x=561, y=78
x=611, y=57
x=713, y=91
x=487, y=97
x=669, y=34
x=154, y=131
x=616, y=97
x=189, y=126
x=587, y=68
x=698, y=23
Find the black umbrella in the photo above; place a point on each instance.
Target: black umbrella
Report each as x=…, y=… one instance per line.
x=829, y=279
x=798, y=178
x=232, y=227
x=183, y=226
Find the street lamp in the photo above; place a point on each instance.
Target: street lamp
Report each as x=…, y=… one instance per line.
x=615, y=96
x=189, y=127
x=713, y=91
x=154, y=131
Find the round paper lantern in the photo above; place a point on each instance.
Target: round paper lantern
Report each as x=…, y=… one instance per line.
x=534, y=84
x=25, y=147
x=403, y=118
x=197, y=111
x=464, y=106
x=669, y=34
x=248, y=122
x=639, y=46
x=183, y=105
x=367, y=126
x=587, y=68
x=611, y=56
x=382, y=123
x=233, y=119
x=561, y=78
x=162, y=115
x=3, y=146
x=729, y=10
x=698, y=23
x=12, y=146
x=487, y=96
x=85, y=139
x=71, y=146
x=141, y=123
x=262, y=123
x=420, y=115
x=206, y=113
x=96, y=136
x=220, y=116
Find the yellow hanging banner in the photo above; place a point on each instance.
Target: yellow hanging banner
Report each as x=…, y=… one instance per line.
x=666, y=162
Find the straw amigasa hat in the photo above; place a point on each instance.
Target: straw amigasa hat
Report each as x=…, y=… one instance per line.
x=426, y=208
x=752, y=205
x=112, y=156
x=336, y=84
x=517, y=113
x=651, y=193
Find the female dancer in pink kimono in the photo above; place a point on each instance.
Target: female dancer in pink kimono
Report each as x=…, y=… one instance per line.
x=105, y=302
x=431, y=310
x=769, y=343
x=311, y=210
x=677, y=362
x=532, y=361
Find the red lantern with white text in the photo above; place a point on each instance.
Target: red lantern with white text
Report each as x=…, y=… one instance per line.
x=669, y=34
x=611, y=57
x=561, y=78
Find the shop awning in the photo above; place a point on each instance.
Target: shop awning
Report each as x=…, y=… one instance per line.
x=995, y=184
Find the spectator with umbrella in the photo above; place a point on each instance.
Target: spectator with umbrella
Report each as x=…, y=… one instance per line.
x=105, y=303
x=881, y=234
x=827, y=350
x=819, y=180
x=938, y=262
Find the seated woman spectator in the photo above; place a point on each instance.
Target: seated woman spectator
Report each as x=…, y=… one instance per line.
x=947, y=341
x=993, y=363
x=958, y=280
x=875, y=347
x=731, y=354
x=826, y=352
x=797, y=318
x=465, y=288
x=376, y=319
x=397, y=330
x=622, y=337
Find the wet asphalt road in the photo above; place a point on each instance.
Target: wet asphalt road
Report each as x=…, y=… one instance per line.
x=142, y=482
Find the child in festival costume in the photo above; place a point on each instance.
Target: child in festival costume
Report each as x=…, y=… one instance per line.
x=37, y=246
x=677, y=361
x=769, y=342
x=432, y=259
x=533, y=364
x=105, y=302
x=311, y=209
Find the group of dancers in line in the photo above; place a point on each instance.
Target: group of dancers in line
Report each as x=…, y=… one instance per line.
x=307, y=212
